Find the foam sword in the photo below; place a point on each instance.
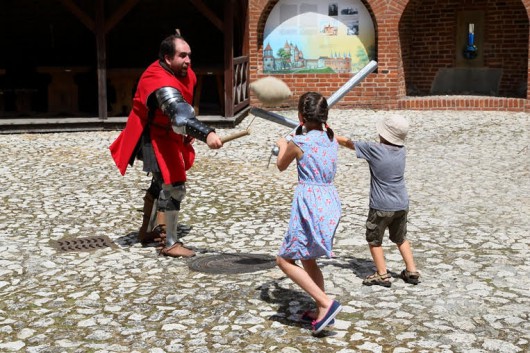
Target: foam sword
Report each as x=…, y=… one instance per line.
x=332, y=100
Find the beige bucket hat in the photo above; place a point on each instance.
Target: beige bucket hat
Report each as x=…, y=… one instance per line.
x=393, y=128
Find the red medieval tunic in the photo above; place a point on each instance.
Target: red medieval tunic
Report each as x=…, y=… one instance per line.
x=173, y=155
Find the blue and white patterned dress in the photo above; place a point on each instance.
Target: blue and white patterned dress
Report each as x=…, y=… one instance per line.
x=316, y=208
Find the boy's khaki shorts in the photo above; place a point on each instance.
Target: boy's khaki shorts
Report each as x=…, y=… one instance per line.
x=378, y=221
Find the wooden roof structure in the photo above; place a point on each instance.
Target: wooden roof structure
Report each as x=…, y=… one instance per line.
x=113, y=37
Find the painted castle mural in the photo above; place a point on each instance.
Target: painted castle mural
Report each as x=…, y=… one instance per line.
x=311, y=36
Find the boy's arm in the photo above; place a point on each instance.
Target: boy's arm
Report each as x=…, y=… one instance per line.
x=346, y=142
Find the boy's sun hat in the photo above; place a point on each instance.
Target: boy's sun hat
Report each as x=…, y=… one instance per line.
x=393, y=128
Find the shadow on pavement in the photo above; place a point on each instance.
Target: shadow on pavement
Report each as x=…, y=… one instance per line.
x=291, y=305
x=132, y=238
x=360, y=267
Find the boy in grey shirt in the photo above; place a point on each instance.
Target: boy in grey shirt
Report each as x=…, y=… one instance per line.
x=389, y=201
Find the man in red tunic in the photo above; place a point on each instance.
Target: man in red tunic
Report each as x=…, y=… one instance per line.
x=160, y=130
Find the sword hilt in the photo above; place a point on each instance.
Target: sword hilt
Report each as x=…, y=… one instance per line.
x=234, y=136
x=276, y=150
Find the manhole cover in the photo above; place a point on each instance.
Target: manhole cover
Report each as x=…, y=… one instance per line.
x=83, y=244
x=232, y=263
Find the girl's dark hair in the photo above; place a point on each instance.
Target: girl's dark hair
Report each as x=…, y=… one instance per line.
x=167, y=47
x=314, y=107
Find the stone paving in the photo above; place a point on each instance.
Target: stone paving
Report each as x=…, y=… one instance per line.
x=468, y=180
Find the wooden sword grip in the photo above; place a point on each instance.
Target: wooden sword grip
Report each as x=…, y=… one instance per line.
x=235, y=135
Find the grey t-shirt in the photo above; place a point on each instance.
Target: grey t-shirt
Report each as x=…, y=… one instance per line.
x=388, y=191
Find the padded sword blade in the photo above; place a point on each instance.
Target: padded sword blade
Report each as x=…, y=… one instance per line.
x=352, y=82
x=275, y=118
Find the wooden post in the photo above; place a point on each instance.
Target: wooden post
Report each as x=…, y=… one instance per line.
x=229, y=57
x=101, y=59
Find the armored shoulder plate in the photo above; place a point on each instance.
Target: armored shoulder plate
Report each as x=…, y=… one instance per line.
x=182, y=115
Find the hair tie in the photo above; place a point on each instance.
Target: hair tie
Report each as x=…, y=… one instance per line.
x=326, y=125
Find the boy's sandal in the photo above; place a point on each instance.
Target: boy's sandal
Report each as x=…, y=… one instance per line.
x=411, y=277
x=377, y=279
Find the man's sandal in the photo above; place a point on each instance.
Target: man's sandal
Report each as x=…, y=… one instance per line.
x=157, y=235
x=377, y=279
x=411, y=277
x=177, y=250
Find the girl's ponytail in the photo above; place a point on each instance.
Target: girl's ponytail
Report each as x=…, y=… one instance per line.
x=329, y=132
x=300, y=129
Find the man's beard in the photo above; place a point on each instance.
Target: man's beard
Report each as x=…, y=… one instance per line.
x=183, y=72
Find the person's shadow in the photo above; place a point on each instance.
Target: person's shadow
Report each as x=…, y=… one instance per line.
x=361, y=267
x=132, y=238
x=287, y=314
x=127, y=240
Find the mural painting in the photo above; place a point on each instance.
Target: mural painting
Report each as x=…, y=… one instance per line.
x=315, y=36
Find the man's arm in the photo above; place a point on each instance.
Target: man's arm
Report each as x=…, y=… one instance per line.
x=183, y=119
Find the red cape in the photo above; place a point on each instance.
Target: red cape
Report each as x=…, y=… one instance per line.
x=174, y=156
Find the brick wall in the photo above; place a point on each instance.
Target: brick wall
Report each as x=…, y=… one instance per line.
x=414, y=39
x=428, y=42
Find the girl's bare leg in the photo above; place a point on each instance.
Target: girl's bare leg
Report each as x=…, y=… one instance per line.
x=312, y=269
x=299, y=276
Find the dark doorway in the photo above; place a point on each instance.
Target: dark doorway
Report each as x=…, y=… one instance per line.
x=48, y=65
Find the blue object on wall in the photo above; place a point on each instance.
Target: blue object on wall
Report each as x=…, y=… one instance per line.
x=471, y=51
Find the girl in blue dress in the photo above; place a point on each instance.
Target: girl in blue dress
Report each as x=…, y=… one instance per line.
x=316, y=207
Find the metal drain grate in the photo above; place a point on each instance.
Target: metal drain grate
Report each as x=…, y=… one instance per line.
x=232, y=263
x=83, y=244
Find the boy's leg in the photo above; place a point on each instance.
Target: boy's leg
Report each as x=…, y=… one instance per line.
x=379, y=258
x=398, y=234
x=375, y=229
x=406, y=253
x=376, y=225
x=409, y=274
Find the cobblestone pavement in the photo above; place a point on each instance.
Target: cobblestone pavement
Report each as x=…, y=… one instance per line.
x=468, y=179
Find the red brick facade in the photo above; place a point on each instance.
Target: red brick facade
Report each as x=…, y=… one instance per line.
x=414, y=39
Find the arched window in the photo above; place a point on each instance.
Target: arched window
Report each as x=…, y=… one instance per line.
x=313, y=36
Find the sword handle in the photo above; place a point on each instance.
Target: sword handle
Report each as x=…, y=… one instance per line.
x=235, y=135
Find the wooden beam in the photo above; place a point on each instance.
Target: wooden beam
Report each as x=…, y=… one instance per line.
x=116, y=17
x=209, y=14
x=80, y=14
